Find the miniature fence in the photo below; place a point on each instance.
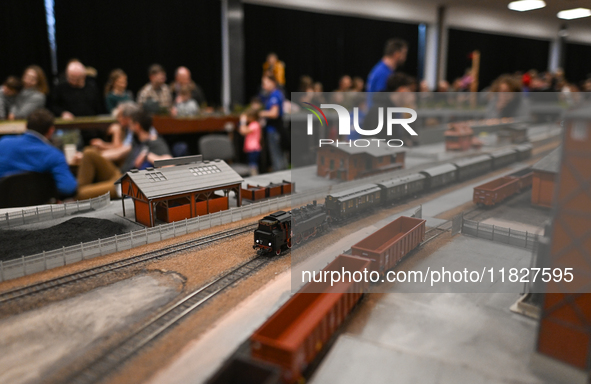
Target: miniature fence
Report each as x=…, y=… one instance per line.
x=51, y=211
x=27, y=265
x=503, y=235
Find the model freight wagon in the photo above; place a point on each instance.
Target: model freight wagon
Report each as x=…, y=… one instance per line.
x=495, y=191
x=387, y=246
x=525, y=177
x=296, y=333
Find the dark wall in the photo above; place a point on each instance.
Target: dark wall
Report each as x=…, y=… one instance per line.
x=322, y=46
x=499, y=54
x=23, y=37
x=577, y=65
x=131, y=35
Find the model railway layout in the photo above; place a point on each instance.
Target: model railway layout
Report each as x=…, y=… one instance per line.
x=109, y=267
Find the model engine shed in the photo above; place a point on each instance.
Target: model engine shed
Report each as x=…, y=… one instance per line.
x=179, y=189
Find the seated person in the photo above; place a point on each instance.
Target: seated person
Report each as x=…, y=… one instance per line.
x=97, y=175
x=32, y=96
x=120, y=133
x=145, y=148
x=32, y=152
x=76, y=96
x=155, y=96
x=8, y=93
x=116, y=91
x=184, y=105
x=182, y=77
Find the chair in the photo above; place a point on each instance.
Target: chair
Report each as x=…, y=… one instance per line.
x=26, y=189
x=220, y=147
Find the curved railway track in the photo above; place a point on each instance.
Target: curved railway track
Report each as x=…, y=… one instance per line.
x=95, y=271
x=162, y=323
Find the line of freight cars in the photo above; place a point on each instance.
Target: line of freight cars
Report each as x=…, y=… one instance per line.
x=279, y=231
x=288, y=342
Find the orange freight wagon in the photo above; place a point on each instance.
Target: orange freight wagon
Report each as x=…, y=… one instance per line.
x=253, y=192
x=295, y=334
x=525, y=177
x=495, y=191
x=387, y=246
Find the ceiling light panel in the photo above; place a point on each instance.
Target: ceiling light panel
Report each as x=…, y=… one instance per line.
x=576, y=13
x=526, y=5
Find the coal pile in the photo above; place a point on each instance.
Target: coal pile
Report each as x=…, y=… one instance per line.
x=16, y=243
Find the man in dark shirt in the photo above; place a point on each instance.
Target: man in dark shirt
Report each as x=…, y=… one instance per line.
x=76, y=96
x=145, y=148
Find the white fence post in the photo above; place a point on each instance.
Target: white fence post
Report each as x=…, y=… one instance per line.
x=24, y=265
x=38, y=217
x=146, y=232
x=100, y=247
x=173, y=230
x=51, y=209
x=525, y=239
x=186, y=227
x=477, y=233
x=44, y=261
x=116, y=245
x=64, y=254
x=82, y=249
x=160, y=230
x=131, y=238
x=7, y=221
x=509, y=237
x=493, y=233
x=2, y=270
x=23, y=215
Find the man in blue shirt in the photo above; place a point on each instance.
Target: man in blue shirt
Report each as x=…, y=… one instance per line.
x=273, y=113
x=32, y=152
x=395, y=53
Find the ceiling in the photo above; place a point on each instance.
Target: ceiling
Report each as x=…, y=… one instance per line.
x=550, y=11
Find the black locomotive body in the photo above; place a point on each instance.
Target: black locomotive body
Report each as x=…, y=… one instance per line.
x=273, y=234
x=308, y=221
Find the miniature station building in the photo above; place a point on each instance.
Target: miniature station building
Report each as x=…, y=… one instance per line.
x=545, y=172
x=350, y=162
x=179, y=189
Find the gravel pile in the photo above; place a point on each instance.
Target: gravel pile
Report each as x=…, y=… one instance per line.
x=17, y=242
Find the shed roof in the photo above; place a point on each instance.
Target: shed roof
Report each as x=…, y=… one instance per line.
x=440, y=169
x=472, y=160
x=402, y=180
x=550, y=162
x=373, y=149
x=503, y=152
x=355, y=192
x=185, y=178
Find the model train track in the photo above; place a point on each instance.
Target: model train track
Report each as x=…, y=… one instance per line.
x=92, y=272
x=163, y=322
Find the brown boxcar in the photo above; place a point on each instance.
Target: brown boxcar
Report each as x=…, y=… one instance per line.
x=525, y=177
x=274, y=190
x=294, y=335
x=253, y=192
x=388, y=245
x=287, y=187
x=495, y=191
